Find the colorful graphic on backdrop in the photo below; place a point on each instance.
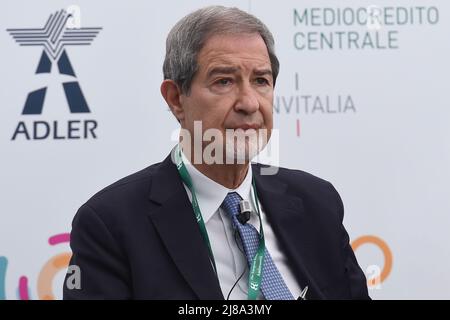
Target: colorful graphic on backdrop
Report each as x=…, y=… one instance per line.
x=45, y=279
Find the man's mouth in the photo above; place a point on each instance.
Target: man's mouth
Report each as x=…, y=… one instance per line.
x=246, y=127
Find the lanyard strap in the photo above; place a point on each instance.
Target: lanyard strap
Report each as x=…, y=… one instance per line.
x=184, y=174
x=255, y=274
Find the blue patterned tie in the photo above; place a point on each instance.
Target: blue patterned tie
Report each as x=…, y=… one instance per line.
x=272, y=284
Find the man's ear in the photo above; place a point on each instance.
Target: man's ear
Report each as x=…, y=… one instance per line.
x=171, y=92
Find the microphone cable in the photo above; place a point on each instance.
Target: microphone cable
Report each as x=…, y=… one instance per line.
x=246, y=266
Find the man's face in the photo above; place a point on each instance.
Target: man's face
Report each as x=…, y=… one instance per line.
x=233, y=87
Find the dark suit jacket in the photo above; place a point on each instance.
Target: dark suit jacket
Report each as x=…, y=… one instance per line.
x=138, y=238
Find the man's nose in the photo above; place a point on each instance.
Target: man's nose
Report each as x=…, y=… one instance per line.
x=247, y=100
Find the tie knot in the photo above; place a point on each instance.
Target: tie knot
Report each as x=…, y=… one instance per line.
x=231, y=204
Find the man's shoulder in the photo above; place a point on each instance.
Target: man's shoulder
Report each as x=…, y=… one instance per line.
x=124, y=205
x=289, y=176
x=305, y=185
x=135, y=184
x=318, y=196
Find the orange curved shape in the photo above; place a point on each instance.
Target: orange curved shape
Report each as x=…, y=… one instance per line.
x=387, y=253
x=48, y=272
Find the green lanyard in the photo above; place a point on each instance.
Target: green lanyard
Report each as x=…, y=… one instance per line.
x=255, y=274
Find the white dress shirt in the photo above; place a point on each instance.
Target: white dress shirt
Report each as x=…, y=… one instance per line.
x=230, y=261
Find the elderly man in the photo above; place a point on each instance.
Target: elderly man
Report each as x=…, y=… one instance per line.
x=205, y=223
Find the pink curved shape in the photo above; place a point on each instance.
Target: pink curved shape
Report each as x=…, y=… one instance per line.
x=59, y=238
x=23, y=288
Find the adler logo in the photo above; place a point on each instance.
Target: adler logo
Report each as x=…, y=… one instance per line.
x=58, y=33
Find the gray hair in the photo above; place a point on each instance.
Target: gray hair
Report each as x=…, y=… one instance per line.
x=189, y=35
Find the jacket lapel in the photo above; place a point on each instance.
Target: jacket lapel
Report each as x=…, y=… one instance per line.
x=286, y=215
x=175, y=222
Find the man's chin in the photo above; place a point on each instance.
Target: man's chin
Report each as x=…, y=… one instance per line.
x=244, y=155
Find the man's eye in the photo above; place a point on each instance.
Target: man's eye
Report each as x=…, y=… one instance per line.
x=224, y=81
x=262, y=81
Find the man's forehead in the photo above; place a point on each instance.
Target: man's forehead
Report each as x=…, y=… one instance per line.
x=227, y=47
x=229, y=62
x=234, y=54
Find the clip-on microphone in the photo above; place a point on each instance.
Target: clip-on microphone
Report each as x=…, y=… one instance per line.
x=245, y=209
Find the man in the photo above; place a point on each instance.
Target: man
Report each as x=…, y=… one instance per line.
x=204, y=223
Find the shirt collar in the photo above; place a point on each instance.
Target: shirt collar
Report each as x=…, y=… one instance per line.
x=211, y=194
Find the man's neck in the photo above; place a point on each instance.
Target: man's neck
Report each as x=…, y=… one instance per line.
x=229, y=175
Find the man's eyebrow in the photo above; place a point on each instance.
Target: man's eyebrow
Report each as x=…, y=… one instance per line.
x=222, y=70
x=231, y=70
x=263, y=72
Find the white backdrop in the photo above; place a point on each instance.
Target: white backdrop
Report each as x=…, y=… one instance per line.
x=369, y=113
